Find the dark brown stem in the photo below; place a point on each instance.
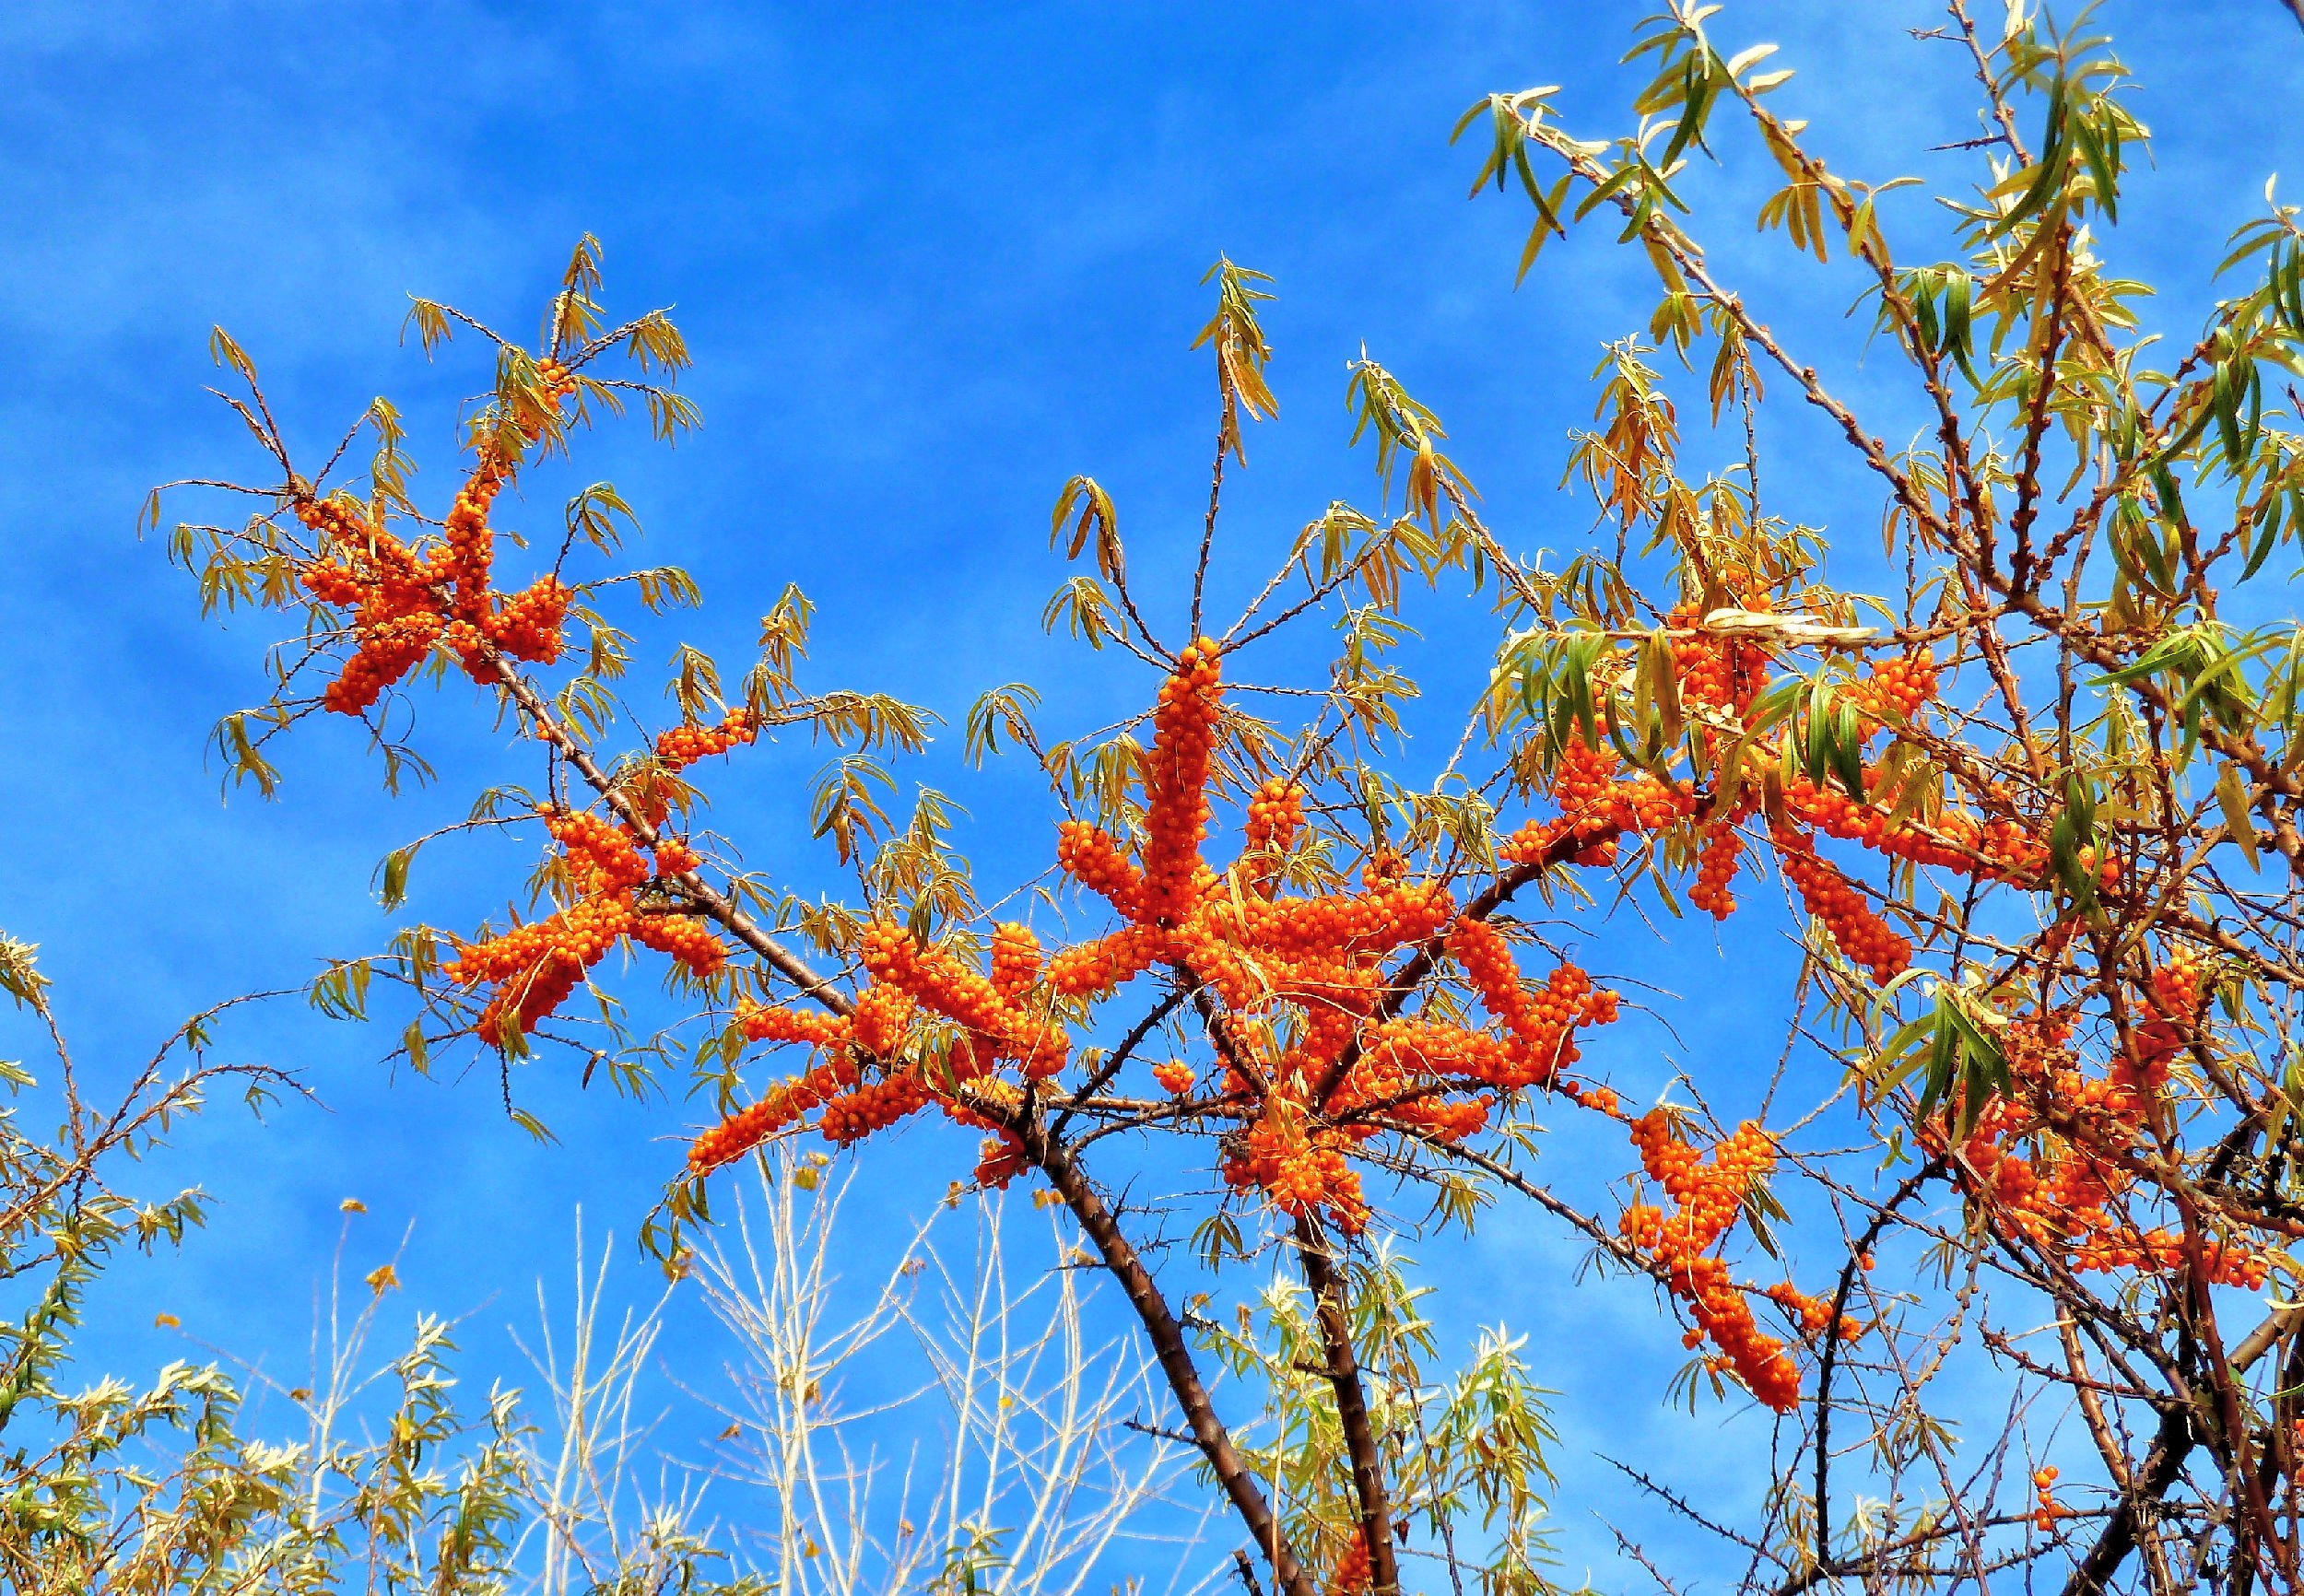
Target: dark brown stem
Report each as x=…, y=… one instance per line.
x=1215, y=495
x=2163, y=1466
x=1904, y=1193
x=1167, y=1335
x=1344, y=1374
x=1113, y=1065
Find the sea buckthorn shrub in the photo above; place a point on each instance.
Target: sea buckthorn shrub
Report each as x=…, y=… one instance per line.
x=2028, y=819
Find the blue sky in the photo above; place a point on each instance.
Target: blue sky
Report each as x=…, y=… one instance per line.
x=931, y=262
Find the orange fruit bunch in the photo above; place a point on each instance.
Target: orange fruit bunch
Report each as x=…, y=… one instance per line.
x=1176, y=783
x=874, y=1107
x=1825, y=892
x=1813, y=1314
x=1350, y=1576
x=1015, y=961
x=1896, y=689
x=1541, y=1027
x=535, y=966
x=1099, y=968
x=782, y=1025
x=2075, y=1197
x=403, y=602
x=1276, y=816
x=1302, y=1171
x=1003, y=1159
x=1596, y=805
x=2045, y=1515
x=941, y=983
x=742, y=1131
x=1718, y=672
x=1707, y=1198
x=882, y=1017
x=1716, y=870
x=683, y=745
x=1090, y=855
x=1994, y=851
x=683, y=938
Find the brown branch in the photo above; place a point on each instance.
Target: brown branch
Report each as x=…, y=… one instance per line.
x=2163, y=1466
x=1113, y=1064
x=1175, y=1358
x=1344, y=1377
x=1903, y=1193
x=1224, y=434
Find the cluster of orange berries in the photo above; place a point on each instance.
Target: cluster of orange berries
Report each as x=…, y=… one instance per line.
x=1276, y=815
x=1350, y=1576
x=1319, y=948
x=404, y=602
x=1812, y=1314
x=781, y=1105
x=1302, y=1170
x=1718, y=672
x=396, y=618
x=535, y=967
x=1346, y=1074
x=1991, y=850
x=2046, y=1511
x=2154, y=1043
x=1002, y=1159
x=996, y=1026
x=996, y=1023
x=1100, y=967
x=1826, y=895
x=1896, y=689
x=683, y=745
x=858, y=1114
x=1706, y=1198
x=1016, y=960
x=1716, y=869
x=1176, y=780
x=1540, y=1028
x=882, y=1020
x=2075, y=1198
x=1090, y=855
x=1596, y=804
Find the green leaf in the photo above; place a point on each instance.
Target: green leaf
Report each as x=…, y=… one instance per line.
x=2232, y=798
